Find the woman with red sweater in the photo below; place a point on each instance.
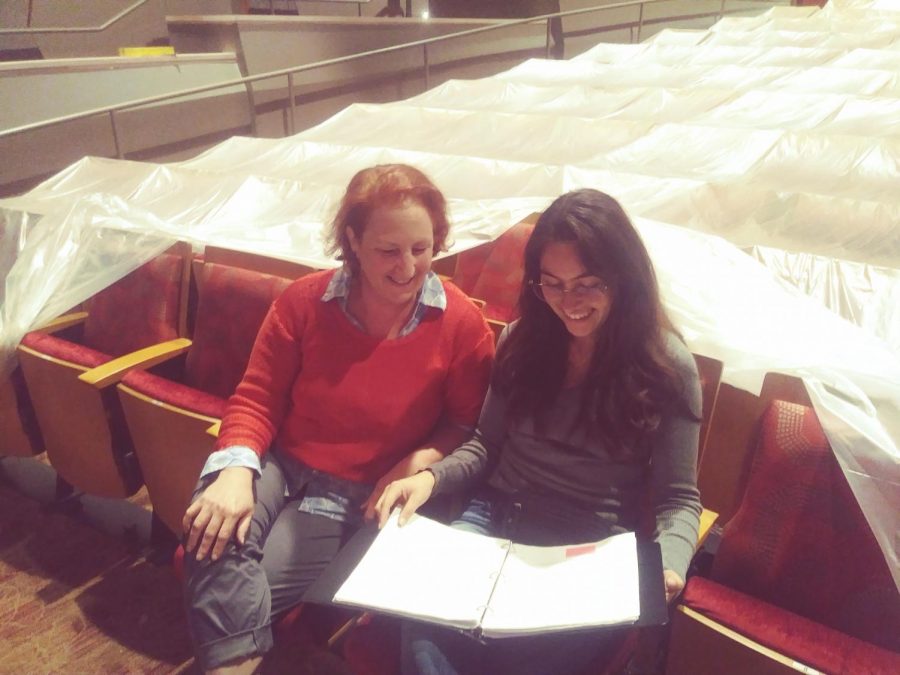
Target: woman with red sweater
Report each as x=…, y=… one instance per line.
x=358, y=377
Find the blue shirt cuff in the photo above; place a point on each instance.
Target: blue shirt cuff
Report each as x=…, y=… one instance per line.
x=236, y=455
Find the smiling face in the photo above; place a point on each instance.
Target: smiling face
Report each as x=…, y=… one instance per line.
x=394, y=253
x=580, y=299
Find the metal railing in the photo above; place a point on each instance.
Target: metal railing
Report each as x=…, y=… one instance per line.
x=359, y=4
x=290, y=124
x=72, y=29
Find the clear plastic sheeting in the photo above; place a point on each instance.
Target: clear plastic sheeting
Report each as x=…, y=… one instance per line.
x=866, y=294
x=66, y=257
x=778, y=134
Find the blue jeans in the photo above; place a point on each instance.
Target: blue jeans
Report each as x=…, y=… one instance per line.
x=428, y=649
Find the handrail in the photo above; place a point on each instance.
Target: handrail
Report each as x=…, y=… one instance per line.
x=72, y=29
x=111, y=110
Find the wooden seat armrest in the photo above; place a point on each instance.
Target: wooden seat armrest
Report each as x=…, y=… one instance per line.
x=707, y=520
x=215, y=429
x=63, y=322
x=698, y=637
x=113, y=371
x=346, y=627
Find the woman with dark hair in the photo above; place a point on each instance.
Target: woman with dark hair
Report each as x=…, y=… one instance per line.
x=593, y=407
x=359, y=376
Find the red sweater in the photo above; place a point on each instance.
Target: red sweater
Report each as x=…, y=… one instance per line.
x=350, y=404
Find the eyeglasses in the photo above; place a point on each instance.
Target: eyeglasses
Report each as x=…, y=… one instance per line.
x=555, y=292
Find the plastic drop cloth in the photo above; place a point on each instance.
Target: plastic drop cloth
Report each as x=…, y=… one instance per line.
x=778, y=133
x=864, y=293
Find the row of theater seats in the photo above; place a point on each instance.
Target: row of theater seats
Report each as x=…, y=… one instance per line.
x=118, y=396
x=798, y=577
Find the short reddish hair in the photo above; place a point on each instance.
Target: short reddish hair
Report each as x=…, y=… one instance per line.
x=386, y=185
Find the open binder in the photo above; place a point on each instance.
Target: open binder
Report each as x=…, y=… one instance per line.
x=494, y=587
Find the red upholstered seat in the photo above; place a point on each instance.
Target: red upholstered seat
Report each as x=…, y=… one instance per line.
x=469, y=265
x=499, y=281
x=798, y=569
x=800, y=540
x=803, y=640
x=169, y=418
x=139, y=310
x=233, y=304
x=81, y=425
x=176, y=394
x=65, y=350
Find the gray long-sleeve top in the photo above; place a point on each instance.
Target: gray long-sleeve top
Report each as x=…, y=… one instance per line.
x=577, y=467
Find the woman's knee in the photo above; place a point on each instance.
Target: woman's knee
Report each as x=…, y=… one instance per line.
x=299, y=547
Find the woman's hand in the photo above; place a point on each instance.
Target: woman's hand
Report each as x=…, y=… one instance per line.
x=413, y=492
x=408, y=466
x=222, y=510
x=674, y=584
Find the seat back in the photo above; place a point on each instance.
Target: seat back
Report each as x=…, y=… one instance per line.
x=232, y=305
x=468, y=267
x=710, y=371
x=731, y=437
x=256, y=262
x=143, y=308
x=799, y=539
x=499, y=280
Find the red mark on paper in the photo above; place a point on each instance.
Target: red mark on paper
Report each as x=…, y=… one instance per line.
x=572, y=551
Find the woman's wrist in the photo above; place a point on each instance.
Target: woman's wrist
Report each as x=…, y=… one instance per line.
x=428, y=476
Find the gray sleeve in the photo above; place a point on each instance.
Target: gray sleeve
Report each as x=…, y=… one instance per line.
x=470, y=462
x=673, y=468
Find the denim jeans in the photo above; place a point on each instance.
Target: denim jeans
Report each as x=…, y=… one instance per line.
x=429, y=649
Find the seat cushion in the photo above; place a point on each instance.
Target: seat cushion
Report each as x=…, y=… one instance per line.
x=64, y=350
x=175, y=393
x=799, y=539
x=137, y=311
x=233, y=303
x=801, y=639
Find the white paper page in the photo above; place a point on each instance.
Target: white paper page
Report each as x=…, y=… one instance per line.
x=426, y=570
x=559, y=587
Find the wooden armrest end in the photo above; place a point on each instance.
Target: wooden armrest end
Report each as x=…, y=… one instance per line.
x=707, y=520
x=113, y=371
x=63, y=322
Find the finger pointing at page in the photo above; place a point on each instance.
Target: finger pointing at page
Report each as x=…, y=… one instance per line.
x=412, y=492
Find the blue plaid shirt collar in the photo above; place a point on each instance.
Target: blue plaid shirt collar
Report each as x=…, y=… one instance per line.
x=432, y=296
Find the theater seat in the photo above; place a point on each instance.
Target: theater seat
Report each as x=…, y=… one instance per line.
x=500, y=279
x=168, y=417
x=799, y=577
x=20, y=435
x=69, y=380
x=493, y=271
